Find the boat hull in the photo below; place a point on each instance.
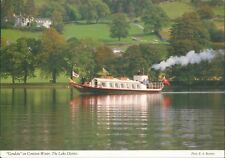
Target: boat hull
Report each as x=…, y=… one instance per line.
x=89, y=89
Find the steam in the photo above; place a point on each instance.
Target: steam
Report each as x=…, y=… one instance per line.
x=190, y=58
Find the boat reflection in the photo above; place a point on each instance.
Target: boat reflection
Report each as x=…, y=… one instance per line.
x=118, y=118
x=116, y=100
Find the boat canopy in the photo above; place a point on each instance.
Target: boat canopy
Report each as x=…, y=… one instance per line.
x=140, y=78
x=117, y=83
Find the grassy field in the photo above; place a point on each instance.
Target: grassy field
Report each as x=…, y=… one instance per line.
x=13, y=35
x=176, y=9
x=99, y=32
x=62, y=78
x=219, y=11
x=41, y=2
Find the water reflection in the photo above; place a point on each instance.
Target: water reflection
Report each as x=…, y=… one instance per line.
x=120, y=120
x=153, y=121
x=50, y=119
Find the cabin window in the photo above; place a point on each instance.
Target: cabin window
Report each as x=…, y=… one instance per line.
x=122, y=85
x=133, y=86
x=96, y=83
x=111, y=85
x=138, y=86
x=128, y=86
x=103, y=84
x=116, y=85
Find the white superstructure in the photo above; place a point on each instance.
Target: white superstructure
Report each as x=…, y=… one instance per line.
x=140, y=82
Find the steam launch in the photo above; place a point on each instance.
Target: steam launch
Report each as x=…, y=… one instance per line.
x=108, y=84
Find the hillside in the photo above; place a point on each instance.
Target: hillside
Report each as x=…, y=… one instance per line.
x=152, y=41
x=173, y=9
x=176, y=9
x=98, y=32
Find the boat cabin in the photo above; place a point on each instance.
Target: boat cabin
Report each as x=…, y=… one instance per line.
x=139, y=82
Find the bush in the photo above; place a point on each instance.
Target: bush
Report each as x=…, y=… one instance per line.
x=217, y=2
x=205, y=12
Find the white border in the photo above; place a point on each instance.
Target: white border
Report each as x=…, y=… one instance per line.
x=112, y=154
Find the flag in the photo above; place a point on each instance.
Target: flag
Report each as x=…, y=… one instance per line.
x=166, y=82
x=75, y=74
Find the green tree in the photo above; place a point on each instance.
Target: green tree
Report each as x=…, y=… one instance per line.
x=212, y=70
x=26, y=58
x=133, y=8
x=19, y=59
x=57, y=19
x=102, y=10
x=188, y=33
x=72, y=55
x=217, y=2
x=80, y=57
x=119, y=26
x=196, y=2
x=10, y=61
x=72, y=13
x=47, y=10
x=18, y=7
x=7, y=12
x=52, y=54
x=86, y=63
x=205, y=12
x=104, y=57
x=88, y=10
x=141, y=58
x=216, y=35
x=30, y=8
x=154, y=19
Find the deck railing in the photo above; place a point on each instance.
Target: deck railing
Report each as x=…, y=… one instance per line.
x=155, y=85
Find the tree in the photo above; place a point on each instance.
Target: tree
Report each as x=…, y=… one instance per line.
x=205, y=12
x=72, y=55
x=133, y=8
x=57, y=19
x=46, y=11
x=102, y=10
x=30, y=8
x=154, y=19
x=88, y=11
x=119, y=26
x=18, y=7
x=104, y=57
x=7, y=11
x=196, y=2
x=72, y=13
x=140, y=58
x=19, y=59
x=10, y=62
x=80, y=57
x=188, y=33
x=52, y=54
x=216, y=35
x=216, y=2
x=85, y=62
x=26, y=66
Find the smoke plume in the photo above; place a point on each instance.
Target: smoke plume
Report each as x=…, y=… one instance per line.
x=190, y=58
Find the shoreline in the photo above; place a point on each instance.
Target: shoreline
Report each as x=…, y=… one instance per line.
x=173, y=88
x=34, y=85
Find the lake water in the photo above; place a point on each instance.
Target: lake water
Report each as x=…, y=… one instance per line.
x=59, y=119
